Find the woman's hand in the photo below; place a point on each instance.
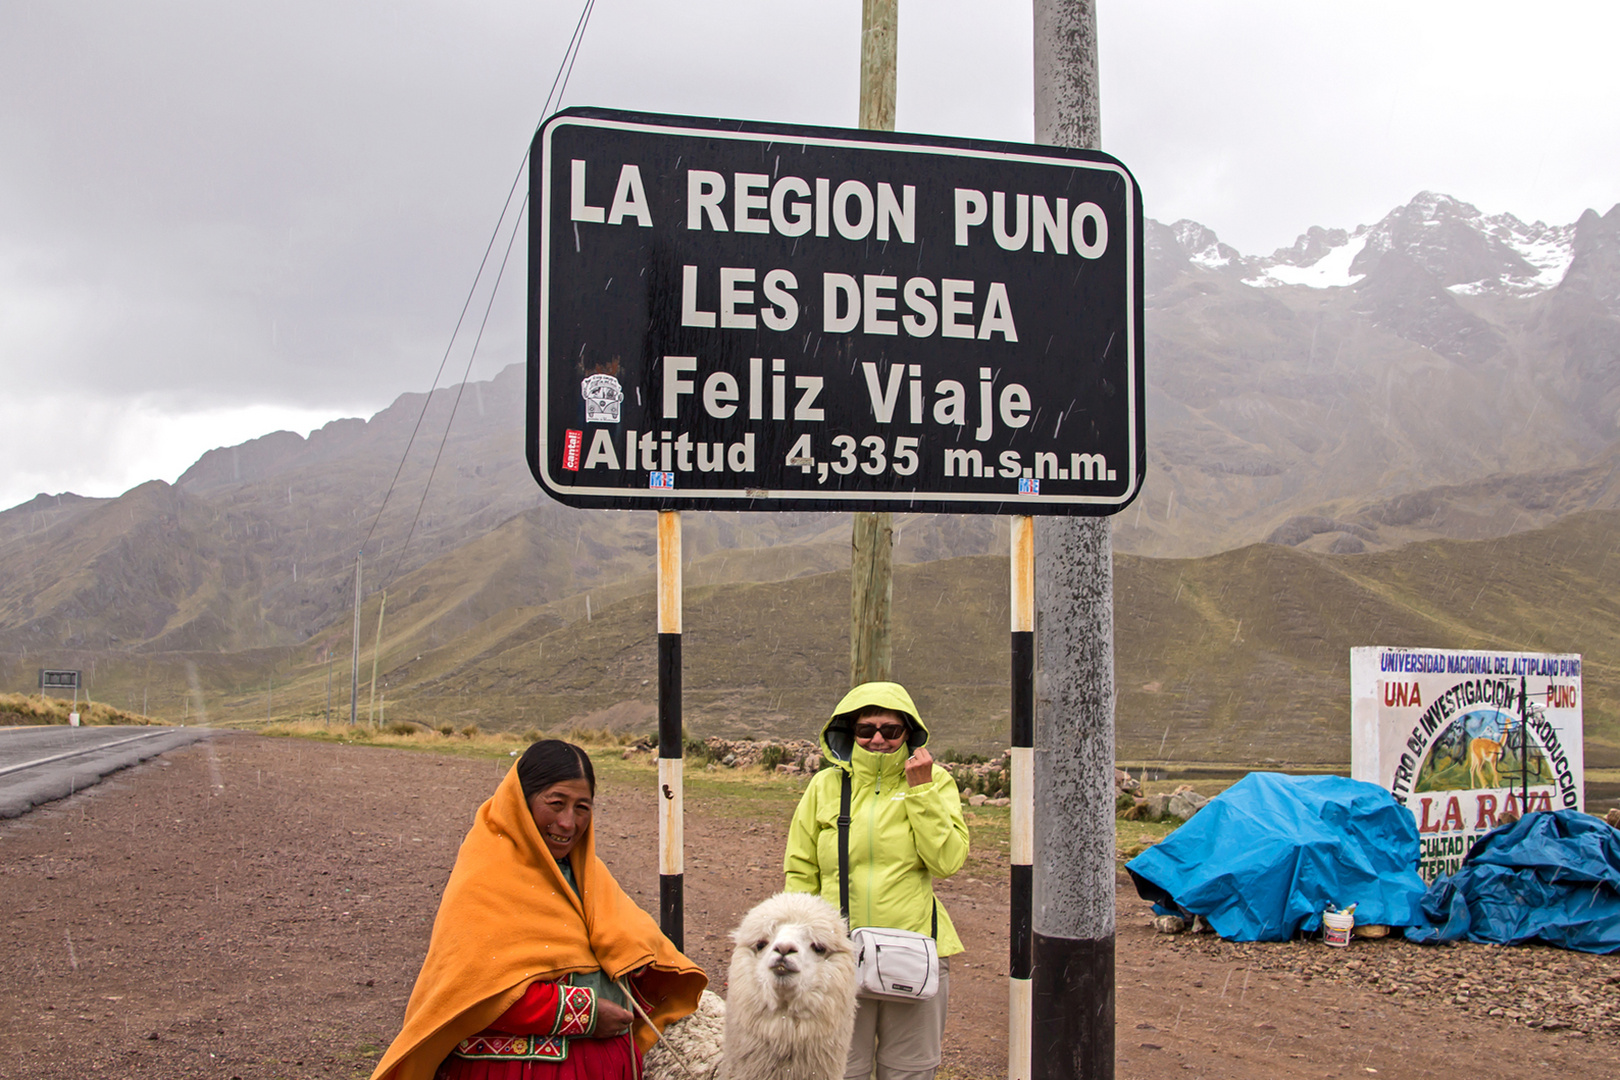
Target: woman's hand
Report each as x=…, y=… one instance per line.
x=611, y=1020
x=920, y=767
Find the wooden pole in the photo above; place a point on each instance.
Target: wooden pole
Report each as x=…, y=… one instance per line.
x=354, y=668
x=871, y=589
x=672, y=801
x=879, y=33
x=871, y=595
x=376, y=653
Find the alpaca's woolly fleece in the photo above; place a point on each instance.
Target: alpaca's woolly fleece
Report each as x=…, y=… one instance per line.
x=690, y=1047
x=790, y=1012
x=790, y=1007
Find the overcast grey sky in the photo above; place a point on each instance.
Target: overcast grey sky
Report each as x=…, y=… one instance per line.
x=218, y=219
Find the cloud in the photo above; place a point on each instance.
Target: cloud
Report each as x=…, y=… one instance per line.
x=206, y=207
x=110, y=447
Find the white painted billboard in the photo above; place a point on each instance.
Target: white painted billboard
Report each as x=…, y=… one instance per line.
x=1443, y=730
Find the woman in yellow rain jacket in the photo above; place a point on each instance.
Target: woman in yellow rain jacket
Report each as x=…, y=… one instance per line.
x=906, y=830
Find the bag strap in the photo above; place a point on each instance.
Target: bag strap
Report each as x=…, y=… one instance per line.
x=843, y=857
x=843, y=845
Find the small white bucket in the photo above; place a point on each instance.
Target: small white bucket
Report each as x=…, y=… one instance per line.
x=73, y=719
x=1336, y=927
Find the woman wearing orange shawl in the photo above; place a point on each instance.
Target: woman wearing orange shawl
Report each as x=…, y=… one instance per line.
x=532, y=944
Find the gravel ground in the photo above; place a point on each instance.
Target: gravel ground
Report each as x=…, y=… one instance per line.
x=258, y=908
x=1533, y=986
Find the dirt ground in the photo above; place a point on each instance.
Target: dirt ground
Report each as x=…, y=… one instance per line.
x=255, y=908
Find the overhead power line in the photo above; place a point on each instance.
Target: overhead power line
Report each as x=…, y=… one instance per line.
x=554, y=97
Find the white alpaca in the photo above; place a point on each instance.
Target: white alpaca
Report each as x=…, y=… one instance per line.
x=791, y=1009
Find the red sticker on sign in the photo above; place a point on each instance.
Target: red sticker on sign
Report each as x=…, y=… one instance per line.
x=572, y=440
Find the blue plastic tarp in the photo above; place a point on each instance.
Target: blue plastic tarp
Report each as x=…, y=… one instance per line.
x=1552, y=876
x=1262, y=860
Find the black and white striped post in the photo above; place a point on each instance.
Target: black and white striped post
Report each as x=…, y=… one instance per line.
x=1020, y=936
x=671, y=800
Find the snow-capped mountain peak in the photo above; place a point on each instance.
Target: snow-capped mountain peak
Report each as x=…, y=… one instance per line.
x=1467, y=251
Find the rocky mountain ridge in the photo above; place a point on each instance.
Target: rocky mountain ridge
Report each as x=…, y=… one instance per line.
x=1470, y=252
x=1442, y=389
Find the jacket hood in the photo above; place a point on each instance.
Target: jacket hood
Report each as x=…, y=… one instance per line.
x=838, y=734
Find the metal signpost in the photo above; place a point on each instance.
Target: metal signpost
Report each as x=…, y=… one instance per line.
x=55, y=679
x=728, y=315
x=63, y=679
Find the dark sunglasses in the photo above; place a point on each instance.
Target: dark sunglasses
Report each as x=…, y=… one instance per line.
x=888, y=731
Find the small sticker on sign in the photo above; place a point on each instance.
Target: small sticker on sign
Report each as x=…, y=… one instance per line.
x=664, y=480
x=603, y=396
x=1029, y=487
x=572, y=440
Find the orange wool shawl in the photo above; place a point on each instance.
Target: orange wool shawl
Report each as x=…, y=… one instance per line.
x=508, y=919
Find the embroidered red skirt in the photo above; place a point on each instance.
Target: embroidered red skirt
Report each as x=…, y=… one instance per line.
x=544, y=1036
x=541, y=1059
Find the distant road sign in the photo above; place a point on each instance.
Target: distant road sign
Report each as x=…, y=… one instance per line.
x=53, y=679
x=731, y=315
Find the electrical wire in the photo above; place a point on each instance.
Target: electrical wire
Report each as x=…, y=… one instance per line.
x=554, y=95
x=516, y=227
x=466, y=304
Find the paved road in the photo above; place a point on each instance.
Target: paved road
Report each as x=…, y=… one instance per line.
x=39, y=764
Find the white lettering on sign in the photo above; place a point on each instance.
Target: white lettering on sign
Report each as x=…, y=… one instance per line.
x=732, y=278
x=886, y=391
x=786, y=207
x=578, y=210
x=781, y=312
x=847, y=304
x=1052, y=223
x=648, y=451
x=629, y=197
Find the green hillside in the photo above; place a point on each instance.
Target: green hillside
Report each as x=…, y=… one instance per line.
x=1242, y=656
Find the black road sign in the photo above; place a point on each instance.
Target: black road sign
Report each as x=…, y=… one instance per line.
x=50, y=679
x=743, y=316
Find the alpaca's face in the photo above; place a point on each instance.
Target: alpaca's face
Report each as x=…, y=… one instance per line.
x=789, y=956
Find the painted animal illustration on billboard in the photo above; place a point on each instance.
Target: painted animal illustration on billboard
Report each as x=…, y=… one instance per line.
x=1480, y=749
x=1483, y=755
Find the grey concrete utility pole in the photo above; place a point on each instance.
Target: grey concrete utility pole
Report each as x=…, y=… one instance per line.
x=1073, y=974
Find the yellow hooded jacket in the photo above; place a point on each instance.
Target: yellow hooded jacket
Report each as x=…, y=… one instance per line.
x=900, y=837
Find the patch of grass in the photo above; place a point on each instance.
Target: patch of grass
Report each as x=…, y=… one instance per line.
x=749, y=794
x=696, y=752
x=589, y=737
x=399, y=735
x=1131, y=838
x=28, y=709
